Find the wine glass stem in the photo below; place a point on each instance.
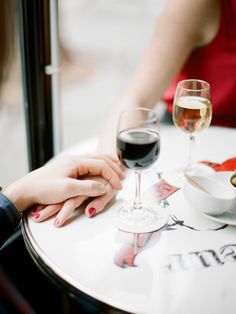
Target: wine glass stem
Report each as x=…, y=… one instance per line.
x=191, y=149
x=137, y=200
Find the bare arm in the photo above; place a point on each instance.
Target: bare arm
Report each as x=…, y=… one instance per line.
x=182, y=26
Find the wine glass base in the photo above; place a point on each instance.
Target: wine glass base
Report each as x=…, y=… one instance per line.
x=147, y=219
x=177, y=178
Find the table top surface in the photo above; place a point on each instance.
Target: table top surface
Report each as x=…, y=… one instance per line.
x=189, y=266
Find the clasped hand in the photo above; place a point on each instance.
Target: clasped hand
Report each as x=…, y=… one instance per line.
x=64, y=183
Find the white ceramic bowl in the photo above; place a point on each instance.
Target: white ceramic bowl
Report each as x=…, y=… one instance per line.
x=219, y=200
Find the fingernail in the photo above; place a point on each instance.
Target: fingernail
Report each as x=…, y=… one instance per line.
x=37, y=216
x=91, y=211
x=34, y=210
x=56, y=222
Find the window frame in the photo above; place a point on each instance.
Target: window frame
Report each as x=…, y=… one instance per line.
x=38, y=78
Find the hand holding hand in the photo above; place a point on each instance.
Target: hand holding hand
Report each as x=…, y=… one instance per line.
x=61, y=180
x=65, y=209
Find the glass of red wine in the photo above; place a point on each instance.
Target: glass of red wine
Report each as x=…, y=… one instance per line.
x=138, y=147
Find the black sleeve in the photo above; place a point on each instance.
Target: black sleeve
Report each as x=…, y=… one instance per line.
x=9, y=218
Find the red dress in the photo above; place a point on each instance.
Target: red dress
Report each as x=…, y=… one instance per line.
x=216, y=64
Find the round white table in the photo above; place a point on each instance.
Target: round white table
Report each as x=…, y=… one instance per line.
x=189, y=266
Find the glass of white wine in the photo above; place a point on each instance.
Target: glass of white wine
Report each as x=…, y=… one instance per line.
x=192, y=113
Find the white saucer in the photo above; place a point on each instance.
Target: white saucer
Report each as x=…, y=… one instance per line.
x=225, y=218
x=228, y=217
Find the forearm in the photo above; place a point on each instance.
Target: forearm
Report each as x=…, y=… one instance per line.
x=182, y=27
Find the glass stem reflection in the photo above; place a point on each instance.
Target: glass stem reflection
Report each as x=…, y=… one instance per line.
x=137, y=201
x=191, y=149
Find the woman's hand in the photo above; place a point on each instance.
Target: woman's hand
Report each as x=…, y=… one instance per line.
x=64, y=210
x=62, y=180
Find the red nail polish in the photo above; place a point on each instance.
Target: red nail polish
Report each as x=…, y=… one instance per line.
x=36, y=216
x=56, y=222
x=34, y=210
x=91, y=211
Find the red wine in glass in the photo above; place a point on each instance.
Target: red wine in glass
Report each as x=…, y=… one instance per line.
x=138, y=148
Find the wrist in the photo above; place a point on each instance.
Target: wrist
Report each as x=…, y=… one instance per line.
x=17, y=194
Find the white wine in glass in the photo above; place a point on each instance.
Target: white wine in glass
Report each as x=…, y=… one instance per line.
x=192, y=112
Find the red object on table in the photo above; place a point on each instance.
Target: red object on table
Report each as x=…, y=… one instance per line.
x=227, y=165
